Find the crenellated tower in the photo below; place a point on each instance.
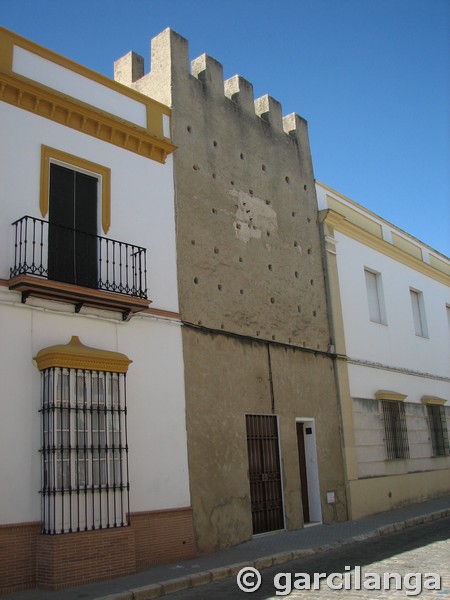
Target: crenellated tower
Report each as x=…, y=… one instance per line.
x=252, y=292
x=248, y=241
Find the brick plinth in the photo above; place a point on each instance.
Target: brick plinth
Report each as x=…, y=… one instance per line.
x=18, y=556
x=72, y=559
x=163, y=536
x=30, y=559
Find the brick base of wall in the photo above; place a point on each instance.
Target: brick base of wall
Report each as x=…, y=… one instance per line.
x=18, y=556
x=72, y=559
x=163, y=536
x=30, y=559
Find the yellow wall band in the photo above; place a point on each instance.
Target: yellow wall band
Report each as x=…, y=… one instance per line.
x=30, y=95
x=335, y=221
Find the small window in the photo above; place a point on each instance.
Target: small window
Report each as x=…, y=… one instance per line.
x=396, y=435
x=448, y=315
x=438, y=429
x=377, y=313
x=418, y=312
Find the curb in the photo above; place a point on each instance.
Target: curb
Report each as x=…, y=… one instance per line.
x=158, y=590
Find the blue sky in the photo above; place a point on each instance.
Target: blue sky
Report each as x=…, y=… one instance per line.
x=372, y=78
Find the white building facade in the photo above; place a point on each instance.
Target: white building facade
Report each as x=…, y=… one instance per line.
x=93, y=437
x=389, y=308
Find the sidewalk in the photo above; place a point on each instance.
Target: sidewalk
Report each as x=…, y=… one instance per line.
x=260, y=552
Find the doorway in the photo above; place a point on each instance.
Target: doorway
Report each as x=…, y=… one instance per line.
x=264, y=473
x=309, y=471
x=72, y=236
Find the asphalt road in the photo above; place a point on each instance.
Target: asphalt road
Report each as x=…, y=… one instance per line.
x=416, y=550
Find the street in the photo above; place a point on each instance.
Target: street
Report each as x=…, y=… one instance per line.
x=417, y=550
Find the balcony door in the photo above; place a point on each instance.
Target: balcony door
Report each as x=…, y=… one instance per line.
x=72, y=237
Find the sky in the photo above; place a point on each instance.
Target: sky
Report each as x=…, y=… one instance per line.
x=371, y=77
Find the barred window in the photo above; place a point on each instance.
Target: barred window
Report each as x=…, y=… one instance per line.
x=84, y=450
x=396, y=435
x=438, y=429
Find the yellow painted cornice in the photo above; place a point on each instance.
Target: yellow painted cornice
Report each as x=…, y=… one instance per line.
x=76, y=355
x=433, y=400
x=376, y=218
x=389, y=395
x=34, y=97
x=335, y=221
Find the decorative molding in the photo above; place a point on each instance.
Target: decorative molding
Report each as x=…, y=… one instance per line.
x=345, y=200
x=104, y=173
x=335, y=221
x=388, y=395
x=84, y=118
x=373, y=365
x=30, y=285
x=433, y=400
x=149, y=141
x=76, y=355
x=159, y=312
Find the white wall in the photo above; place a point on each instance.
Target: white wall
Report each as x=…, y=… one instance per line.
x=142, y=196
x=64, y=80
x=155, y=398
x=395, y=344
x=389, y=355
x=142, y=213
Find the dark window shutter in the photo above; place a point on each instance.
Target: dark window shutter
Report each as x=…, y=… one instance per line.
x=72, y=256
x=61, y=235
x=85, y=220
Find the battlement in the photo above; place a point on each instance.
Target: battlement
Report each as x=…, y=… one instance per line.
x=170, y=62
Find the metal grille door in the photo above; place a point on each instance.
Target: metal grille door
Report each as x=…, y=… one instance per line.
x=264, y=473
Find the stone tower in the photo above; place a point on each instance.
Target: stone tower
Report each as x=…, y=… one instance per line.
x=262, y=406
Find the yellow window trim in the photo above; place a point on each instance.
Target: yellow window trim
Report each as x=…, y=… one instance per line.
x=389, y=395
x=433, y=400
x=76, y=355
x=47, y=154
x=34, y=97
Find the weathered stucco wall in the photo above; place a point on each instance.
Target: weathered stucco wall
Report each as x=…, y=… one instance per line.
x=251, y=283
x=229, y=378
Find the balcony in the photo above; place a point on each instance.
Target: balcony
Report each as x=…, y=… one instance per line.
x=58, y=263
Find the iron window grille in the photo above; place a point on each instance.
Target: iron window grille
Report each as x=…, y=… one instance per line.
x=438, y=429
x=396, y=434
x=84, y=450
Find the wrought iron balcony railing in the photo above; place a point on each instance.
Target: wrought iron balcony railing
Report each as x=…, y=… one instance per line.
x=70, y=256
